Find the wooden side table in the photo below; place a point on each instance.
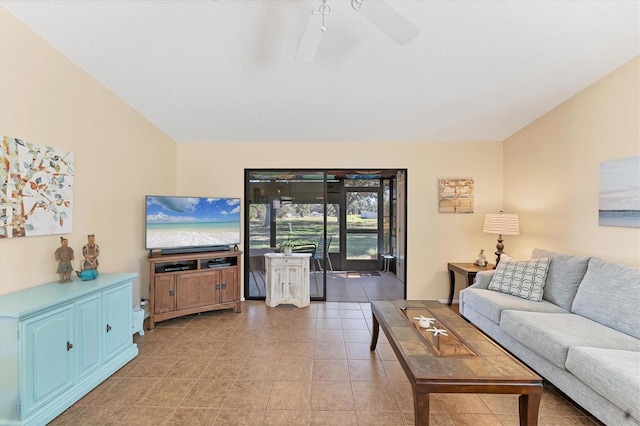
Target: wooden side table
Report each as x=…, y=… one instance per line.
x=468, y=271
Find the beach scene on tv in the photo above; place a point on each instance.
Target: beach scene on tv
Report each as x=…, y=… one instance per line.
x=174, y=222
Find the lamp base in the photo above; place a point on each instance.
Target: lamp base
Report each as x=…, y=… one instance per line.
x=499, y=252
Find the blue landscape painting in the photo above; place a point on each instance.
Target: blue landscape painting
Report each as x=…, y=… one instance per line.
x=620, y=192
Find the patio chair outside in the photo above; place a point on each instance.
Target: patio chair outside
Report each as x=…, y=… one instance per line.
x=320, y=253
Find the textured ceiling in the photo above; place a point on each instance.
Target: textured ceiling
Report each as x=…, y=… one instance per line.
x=223, y=70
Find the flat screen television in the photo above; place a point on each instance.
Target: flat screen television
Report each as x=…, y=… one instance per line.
x=175, y=224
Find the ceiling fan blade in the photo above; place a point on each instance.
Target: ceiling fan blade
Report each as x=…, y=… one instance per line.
x=390, y=22
x=311, y=38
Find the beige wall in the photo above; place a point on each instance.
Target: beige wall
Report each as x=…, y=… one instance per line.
x=433, y=239
x=119, y=156
x=551, y=170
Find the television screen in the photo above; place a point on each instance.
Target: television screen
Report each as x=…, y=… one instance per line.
x=188, y=224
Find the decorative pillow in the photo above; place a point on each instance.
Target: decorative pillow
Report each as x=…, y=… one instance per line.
x=524, y=279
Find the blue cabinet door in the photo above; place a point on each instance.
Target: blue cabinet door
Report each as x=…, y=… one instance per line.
x=89, y=354
x=117, y=307
x=48, y=347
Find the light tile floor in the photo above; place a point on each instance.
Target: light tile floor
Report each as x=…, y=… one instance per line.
x=356, y=286
x=281, y=366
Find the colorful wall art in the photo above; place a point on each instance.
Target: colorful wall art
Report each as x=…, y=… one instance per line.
x=455, y=195
x=620, y=192
x=36, y=189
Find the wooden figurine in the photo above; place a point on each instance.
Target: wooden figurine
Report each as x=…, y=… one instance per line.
x=64, y=256
x=90, y=251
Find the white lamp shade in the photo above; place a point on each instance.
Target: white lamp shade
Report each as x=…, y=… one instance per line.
x=501, y=223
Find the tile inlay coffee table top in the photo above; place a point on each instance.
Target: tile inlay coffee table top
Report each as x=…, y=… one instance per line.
x=446, y=342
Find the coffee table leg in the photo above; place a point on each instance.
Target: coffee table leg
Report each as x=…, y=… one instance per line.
x=374, y=333
x=528, y=407
x=421, y=409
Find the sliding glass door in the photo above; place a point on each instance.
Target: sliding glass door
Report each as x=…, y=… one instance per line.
x=284, y=205
x=347, y=217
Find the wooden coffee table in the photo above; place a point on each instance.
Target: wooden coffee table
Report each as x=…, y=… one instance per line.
x=462, y=361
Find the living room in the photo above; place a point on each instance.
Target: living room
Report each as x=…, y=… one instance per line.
x=547, y=172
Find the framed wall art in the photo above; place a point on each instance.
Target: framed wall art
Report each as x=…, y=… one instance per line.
x=620, y=193
x=455, y=195
x=36, y=189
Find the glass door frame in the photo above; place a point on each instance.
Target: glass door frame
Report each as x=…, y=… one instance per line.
x=362, y=264
x=396, y=222
x=272, y=192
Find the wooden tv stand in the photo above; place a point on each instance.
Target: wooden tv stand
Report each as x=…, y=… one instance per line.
x=184, y=284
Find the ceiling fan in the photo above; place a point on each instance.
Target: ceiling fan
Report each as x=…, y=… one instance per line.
x=379, y=13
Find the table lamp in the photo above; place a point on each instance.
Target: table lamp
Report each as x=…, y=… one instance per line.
x=501, y=224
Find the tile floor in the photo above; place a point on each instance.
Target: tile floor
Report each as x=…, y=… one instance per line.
x=356, y=286
x=281, y=366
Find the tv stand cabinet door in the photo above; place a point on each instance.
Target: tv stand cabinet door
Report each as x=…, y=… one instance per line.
x=229, y=285
x=164, y=294
x=197, y=289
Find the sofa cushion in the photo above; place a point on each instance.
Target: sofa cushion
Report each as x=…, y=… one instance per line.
x=551, y=335
x=610, y=295
x=492, y=303
x=520, y=278
x=608, y=371
x=563, y=278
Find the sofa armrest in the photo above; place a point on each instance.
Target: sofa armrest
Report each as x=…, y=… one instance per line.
x=483, y=278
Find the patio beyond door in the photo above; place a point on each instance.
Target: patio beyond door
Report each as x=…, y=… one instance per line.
x=362, y=229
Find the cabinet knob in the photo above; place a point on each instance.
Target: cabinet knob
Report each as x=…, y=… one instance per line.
x=108, y=328
x=172, y=292
x=224, y=285
x=69, y=346
x=217, y=286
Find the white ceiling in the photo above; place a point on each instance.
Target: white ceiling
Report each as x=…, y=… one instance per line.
x=223, y=70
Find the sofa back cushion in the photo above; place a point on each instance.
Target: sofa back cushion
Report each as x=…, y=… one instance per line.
x=563, y=278
x=520, y=278
x=610, y=294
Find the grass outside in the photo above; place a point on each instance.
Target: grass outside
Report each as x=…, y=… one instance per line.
x=309, y=229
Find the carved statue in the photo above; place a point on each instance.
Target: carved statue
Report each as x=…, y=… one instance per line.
x=64, y=256
x=90, y=251
x=482, y=259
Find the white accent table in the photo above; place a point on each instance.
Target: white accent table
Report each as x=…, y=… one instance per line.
x=387, y=258
x=287, y=279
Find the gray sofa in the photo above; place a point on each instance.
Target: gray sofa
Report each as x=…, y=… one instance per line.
x=583, y=336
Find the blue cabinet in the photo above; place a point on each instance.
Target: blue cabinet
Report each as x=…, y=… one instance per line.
x=90, y=337
x=48, y=364
x=117, y=305
x=59, y=341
